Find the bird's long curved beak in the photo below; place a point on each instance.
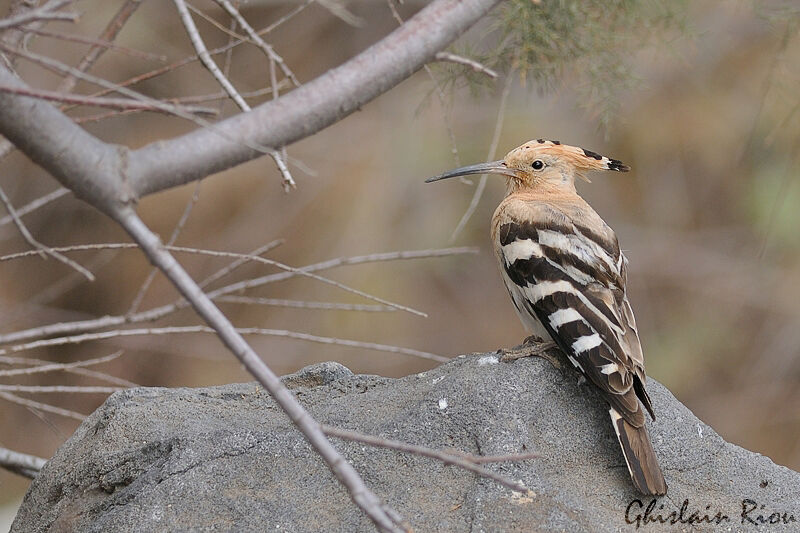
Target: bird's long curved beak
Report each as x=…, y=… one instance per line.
x=494, y=167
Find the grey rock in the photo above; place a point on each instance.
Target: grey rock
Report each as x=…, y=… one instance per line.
x=227, y=459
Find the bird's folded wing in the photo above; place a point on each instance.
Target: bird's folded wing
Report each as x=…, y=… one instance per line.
x=573, y=281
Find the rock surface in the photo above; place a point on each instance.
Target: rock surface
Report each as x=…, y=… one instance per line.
x=227, y=459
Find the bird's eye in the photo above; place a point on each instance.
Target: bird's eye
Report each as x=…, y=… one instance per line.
x=538, y=164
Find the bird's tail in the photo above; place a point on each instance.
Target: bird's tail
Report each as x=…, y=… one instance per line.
x=639, y=455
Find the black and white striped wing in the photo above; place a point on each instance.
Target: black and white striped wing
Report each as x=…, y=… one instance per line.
x=572, y=282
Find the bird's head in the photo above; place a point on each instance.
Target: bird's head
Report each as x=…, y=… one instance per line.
x=539, y=164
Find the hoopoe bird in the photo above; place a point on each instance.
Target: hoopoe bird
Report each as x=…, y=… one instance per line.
x=566, y=276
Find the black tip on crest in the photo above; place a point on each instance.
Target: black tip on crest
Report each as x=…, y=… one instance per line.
x=619, y=166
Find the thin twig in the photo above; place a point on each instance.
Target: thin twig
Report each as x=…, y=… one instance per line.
x=180, y=100
x=110, y=33
x=80, y=326
x=286, y=17
x=46, y=12
x=173, y=330
x=40, y=248
x=100, y=42
x=205, y=57
x=300, y=304
x=461, y=60
x=41, y=406
x=498, y=128
x=137, y=300
x=361, y=495
x=462, y=461
x=111, y=103
x=36, y=204
x=71, y=370
x=214, y=253
x=263, y=45
x=59, y=389
x=224, y=271
x=21, y=463
x=56, y=367
x=64, y=70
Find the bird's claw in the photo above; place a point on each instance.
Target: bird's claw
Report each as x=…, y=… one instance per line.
x=531, y=347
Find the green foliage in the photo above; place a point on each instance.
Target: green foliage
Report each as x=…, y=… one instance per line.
x=594, y=40
x=589, y=43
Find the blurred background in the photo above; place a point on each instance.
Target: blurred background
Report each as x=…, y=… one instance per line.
x=701, y=99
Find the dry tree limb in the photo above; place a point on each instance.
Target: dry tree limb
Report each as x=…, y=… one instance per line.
x=70, y=389
x=302, y=304
x=101, y=43
x=21, y=463
x=110, y=33
x=174, y=330
x=309, y=108
x=471, y=63
x=45, y=12
x=36, y=204
x=137, y=300
x=111, y=178
x=215, y=253
x=39, y=248
x=362, y=496
x=205, y=57
x=56, y=367
x=461, y=460
x=124, y=104
x=13, y=398
x=150, y=315
x=263, y=45
x=72, y=368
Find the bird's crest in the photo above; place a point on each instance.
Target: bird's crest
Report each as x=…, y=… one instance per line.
x=580, y=158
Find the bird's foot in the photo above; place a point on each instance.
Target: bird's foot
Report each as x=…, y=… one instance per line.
x=581, y=380
x=530, y=347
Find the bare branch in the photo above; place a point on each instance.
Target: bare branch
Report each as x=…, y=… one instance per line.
x=137, y=300
x=309, y=108
x=55, y=367
x=461, y=460
x=46, y=12
x=36, y=204
x=21, y=463
x=266, y=48
x=41, y=249
x=299, y=304
x=99, y=42
x=110, y=33
x=13, y=398
x=173, y=330
x=59, y=389
x=221, y=273
x=112, y=103
x=80, y=326
x=205, y=57
x=213, y=253
x=361, y=495
x=71, y=368
x=471, y=63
